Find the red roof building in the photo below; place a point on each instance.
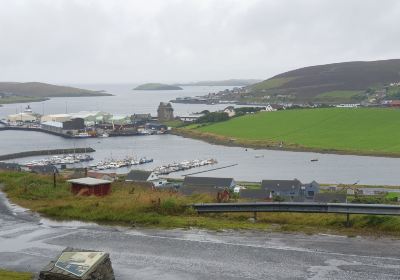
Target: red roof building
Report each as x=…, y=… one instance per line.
x=395, y=103
x=90, y=186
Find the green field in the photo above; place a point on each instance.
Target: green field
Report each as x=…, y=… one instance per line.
x=359, y=131
x=340, y=96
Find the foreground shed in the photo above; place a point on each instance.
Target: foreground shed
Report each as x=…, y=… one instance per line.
x=90, y=186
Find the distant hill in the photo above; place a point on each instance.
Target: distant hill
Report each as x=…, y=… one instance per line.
x=337, y=81
x=230, y=82
x=157, y=86
x=41, y=90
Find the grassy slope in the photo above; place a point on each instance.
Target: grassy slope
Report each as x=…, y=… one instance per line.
x=339, y=96
x=271, y=83
x=308, y=82
x=129, y=204
x=139, y=208
x=353, y=130
x=35, y=89
x=10, y=275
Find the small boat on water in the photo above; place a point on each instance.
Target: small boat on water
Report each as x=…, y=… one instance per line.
x=314, y=159
x=259, y=156
x=82, y=135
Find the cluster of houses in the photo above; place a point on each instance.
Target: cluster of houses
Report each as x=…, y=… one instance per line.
x=87, y=182
x=270, y=190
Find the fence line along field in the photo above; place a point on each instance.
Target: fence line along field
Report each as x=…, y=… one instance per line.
x=373, y=131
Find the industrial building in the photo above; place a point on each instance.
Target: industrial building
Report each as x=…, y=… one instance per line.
x=21, y=117
x=55, y=118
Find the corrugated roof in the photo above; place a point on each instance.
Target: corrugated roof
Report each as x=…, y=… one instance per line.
x=189, y=190
x=138, y=175
x=281, y=185
x=52, y=123
x=89, y=181
x=254, y=194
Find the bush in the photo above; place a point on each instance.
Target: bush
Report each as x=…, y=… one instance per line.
x=278, y=198
x=213, y=117
x=244, y=110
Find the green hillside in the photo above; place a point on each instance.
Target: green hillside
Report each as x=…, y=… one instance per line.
x=314, y=82
x=41, y=90
x=361, y=131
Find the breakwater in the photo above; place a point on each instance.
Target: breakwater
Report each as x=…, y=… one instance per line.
x=36, y=129
x=47, y=152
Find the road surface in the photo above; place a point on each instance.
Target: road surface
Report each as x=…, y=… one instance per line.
x=28, y=242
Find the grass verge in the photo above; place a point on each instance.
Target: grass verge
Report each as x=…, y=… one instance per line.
x=135, y=205
x=11, y=275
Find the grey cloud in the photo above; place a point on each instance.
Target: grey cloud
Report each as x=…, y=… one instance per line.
x=71, y=41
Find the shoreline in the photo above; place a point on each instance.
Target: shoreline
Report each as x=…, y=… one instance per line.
x=270, y=145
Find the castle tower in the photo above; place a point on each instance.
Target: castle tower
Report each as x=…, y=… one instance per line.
x=165, y=112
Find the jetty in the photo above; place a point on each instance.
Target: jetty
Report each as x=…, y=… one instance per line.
x=47, y=152
x=37, y=129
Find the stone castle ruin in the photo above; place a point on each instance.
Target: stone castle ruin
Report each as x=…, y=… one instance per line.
x=165, y=112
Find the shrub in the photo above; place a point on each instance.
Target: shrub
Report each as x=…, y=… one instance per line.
x=213, y=117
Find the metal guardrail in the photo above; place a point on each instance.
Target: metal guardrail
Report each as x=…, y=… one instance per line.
x=300, y=207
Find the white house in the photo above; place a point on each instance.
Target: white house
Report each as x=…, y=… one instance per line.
x=141, y=176
x=230, y=110
x=348, y=106
x=269, y=108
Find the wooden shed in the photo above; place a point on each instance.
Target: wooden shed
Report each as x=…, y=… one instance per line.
x=90, y=186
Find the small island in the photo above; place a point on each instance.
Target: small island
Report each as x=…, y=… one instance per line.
x=157, y=86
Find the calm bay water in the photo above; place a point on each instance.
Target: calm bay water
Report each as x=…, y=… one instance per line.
x=124, y=101
x=252, y=165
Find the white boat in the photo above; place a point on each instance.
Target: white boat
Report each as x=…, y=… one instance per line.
x=28, y=109
x=82, y=135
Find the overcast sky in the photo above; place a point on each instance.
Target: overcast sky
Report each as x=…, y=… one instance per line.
x=111, y=41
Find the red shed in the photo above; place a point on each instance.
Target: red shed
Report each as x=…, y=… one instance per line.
x=90, y=186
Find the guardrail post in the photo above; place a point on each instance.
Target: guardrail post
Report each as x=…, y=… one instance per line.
x=255, y=216
x=347, y=219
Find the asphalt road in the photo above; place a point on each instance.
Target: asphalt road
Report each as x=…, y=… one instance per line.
x=28, y=242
